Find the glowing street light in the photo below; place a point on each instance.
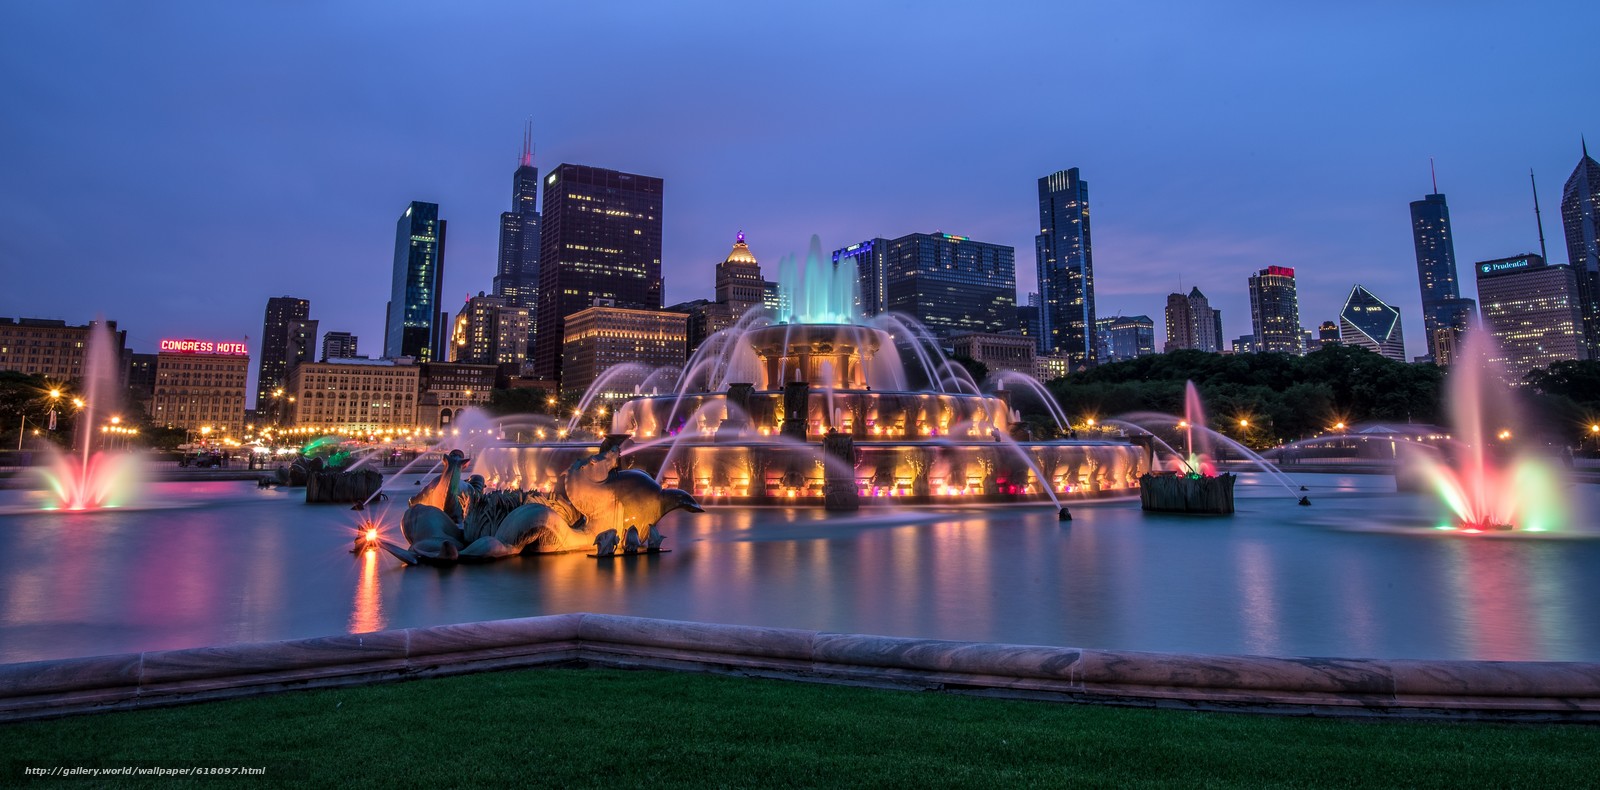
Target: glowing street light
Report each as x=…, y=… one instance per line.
x=1244, y=423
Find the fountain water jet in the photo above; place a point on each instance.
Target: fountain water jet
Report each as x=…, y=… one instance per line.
x=1492, y=484
x=94, y=479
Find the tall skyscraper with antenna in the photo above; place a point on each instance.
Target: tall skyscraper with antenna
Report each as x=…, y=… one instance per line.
x=516, y=280
x=1580, y=219
x=1443, y=309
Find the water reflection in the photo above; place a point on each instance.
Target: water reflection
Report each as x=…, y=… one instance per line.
x=249, y=567
x=367, y=614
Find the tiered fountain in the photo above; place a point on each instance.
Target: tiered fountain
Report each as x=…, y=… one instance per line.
x=818, y=408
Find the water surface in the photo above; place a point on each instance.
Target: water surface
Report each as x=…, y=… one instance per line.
x=1360, y=574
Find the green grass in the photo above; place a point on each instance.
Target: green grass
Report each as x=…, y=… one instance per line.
x=610, y=728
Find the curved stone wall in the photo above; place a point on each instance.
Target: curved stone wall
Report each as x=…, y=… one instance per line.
x=1532, y=691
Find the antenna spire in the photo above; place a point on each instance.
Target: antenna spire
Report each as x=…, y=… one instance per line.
x=1536, y=217
x=1435, y=174
x=527, y=144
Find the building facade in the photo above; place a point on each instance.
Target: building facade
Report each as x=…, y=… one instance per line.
x=354, y=395
x=870, y=261
x=1368, y=322
x=516, y=280
x=1125, y=337
x=414, y=327
x=1065, y=258
x=487, y=331
x=1580, y=221
x=1006, y=351
x=50, y=348
x=273, y=367
x=1328, y=334
x=1531, y=310
x=201, y=384
x=603, y=336
x=339, y=345
x=1275, y=311
x=1192, y=323
x=446, y=388
x=601, y=240
x=951, y=283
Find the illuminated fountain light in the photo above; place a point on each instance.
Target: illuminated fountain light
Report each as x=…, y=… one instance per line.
x=1489, y=483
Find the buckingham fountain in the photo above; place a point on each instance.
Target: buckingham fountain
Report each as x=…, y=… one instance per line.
x=823, y=406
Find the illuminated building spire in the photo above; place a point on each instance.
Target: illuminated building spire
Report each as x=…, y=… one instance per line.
x=527, y=144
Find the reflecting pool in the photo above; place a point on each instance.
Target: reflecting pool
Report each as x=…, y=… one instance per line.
x=1361, y=574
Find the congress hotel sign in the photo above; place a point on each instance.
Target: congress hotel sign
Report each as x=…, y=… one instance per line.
x=187, y=346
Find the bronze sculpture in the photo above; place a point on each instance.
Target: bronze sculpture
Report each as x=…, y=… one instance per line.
x=596, y=502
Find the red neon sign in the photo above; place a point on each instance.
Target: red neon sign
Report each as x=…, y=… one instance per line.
x=188, y=346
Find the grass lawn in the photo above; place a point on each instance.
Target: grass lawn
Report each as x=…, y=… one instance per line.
x=611, y=728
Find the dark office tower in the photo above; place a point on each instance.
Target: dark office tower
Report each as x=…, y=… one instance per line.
x=601, y=240
x=1436, y=263
x=300, y=346
x=1275, y=312
x=1580, y=218
x=338, y=345
x=409, y=330
x=517, y=278
x=873, y=296
x=1066, y=268
x=952, y=283
x=273, y=370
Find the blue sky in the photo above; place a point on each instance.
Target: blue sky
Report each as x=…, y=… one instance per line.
x=172, y=165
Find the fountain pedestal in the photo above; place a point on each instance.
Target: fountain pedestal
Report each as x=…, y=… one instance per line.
x=839, y=490
x=1171, y=493
x=796, y=409
x=737, y=423
x=342, y=487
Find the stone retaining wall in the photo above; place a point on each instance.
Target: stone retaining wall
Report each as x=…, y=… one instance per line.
x=1536, y=691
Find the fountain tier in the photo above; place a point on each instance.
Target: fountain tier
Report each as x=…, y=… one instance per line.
x=762, y=441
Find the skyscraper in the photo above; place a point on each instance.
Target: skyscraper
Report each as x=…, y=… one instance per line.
x=1442, y=305
x=1275, y=311
x=601, y=240
x=1367, y=322
x=413, y=327
x=517, y=278
x=338, y=345
x=273, y=370
x=1192, y=323
x=952, y=283
x=1580, y=219
x=1065, y=260
x=1531, y=308
x=873, y=297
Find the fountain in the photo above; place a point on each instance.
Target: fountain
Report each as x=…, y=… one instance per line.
x=1491, y=482
x=93, y=479
x=815, y=407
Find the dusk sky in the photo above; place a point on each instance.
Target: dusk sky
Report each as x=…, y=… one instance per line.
x=172, y=165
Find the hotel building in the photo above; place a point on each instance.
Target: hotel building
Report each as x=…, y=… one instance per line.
x=201, y=384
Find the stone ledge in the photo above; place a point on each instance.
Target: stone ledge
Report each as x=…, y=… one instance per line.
x=1510, y=691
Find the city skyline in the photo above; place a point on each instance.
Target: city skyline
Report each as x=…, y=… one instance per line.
x=335, y=176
